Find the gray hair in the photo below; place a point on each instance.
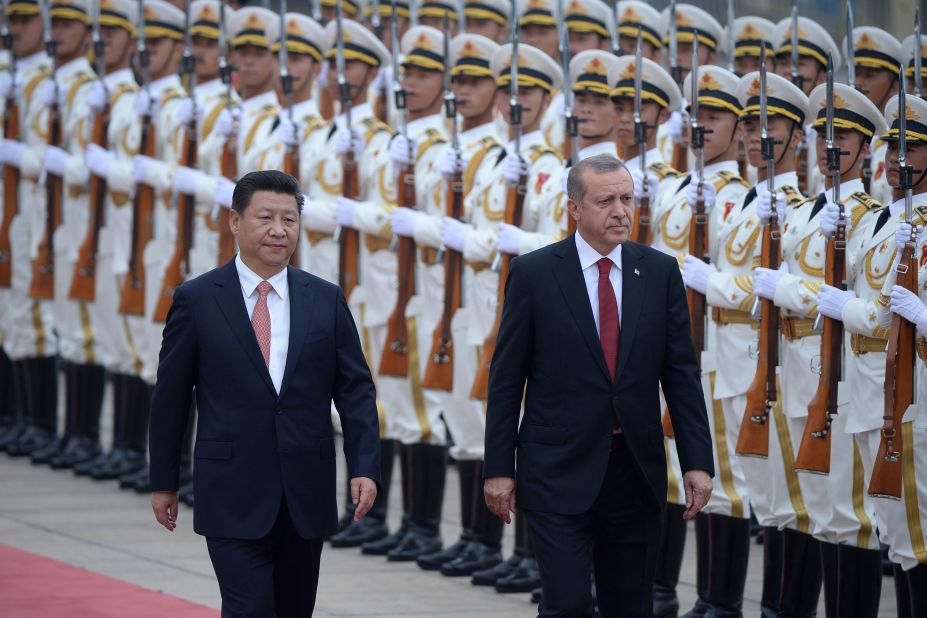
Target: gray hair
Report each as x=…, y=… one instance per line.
x=599, y=164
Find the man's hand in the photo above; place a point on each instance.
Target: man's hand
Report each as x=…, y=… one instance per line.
x=499, y=492
x=363, y=493
x=164, y=505
x=698, y=490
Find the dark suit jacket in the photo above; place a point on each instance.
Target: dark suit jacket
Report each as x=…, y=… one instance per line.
x=252, y=446
x=548, y=340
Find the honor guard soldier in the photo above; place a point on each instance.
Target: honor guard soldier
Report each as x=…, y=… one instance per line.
x=589, y=23
x=488, y=18
x=634, y=15
x=728, y=287
x=750, y=35
x=877, y=57
x=10, y=421
x=907, y=47
x=379, y=17
x=351, y=8
x=537, y=26
x=432, y=13
x=30, y=339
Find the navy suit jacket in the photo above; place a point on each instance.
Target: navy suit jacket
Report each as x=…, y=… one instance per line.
x=549, y=354
x=253, y=446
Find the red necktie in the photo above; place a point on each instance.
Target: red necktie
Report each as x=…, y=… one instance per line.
x=609, y=326
x=260, y=320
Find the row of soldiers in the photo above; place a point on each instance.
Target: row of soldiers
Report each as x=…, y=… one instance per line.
x=433, y=147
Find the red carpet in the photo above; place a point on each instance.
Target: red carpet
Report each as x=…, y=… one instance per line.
x=32, y=586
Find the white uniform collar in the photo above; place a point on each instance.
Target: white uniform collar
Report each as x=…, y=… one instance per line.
x=29, y=62
x=527, y=141
x=781, y=180
x=359, y=113
x=119, y=77
x=68, y=69
x=477, y=133
x=847, y=189
x=653, y=156
x=720, y=166
x=164, y=83
x=419, y=125
x=607, y=148
x=261, y=100
x=207, y=89
x=306, y=108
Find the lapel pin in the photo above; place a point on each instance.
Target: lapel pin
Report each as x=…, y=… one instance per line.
x=637, y=273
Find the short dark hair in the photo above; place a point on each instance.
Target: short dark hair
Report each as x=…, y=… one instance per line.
x=266, y=180
x=599, y=164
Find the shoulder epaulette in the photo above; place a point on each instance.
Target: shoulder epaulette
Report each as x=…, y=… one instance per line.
x=33, y=83
x=663, y=170
x=538, y=151
x=867, y=200
x=728, y=178
x=375, y=125
x=312, y=123
x=920, y=215
x=792, y=194
x=432, y=136
x=80, y=80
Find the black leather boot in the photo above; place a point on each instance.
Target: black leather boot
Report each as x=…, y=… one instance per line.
x=429, y=469
x=669, y=562
x=489, y=577
x=72, y=397
x=917, y=589
x=829, y=571
x=385, y=544
x=486, y=551
x=89, y=382
x=8, y=413
x=42, y=406
x=702, y=551
x=121, y=403
x=132, y=457
x=526, y=576
x=433, y=561
x=729, y=539
x=801, y=575
x=137, y=480
x=902, y=593
x=17, y=421
x=859, y=588
x=373, y=526
x=772, y=572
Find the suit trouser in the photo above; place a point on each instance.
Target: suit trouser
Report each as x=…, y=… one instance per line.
x=731, y=496
x=275, y=576
x=619, y=536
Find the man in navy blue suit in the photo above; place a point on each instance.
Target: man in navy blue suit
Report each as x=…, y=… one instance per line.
x=265, y=348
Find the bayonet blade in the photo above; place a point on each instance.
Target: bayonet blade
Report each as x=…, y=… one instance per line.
x=918, y=60
x=851, y=50
x=673, y=42
x=730, y=36
x=796, y=78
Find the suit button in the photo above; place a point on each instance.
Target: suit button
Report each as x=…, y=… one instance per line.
x=279, y=410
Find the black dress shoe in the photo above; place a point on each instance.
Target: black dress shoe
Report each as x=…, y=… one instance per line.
x=701, y=609
x=489, y=577
x=12, y=434
x=32, y=439
x=417, y=542
x=142, y=486
x=360, y=532
x=42, y=456
x=433, y=561
x=383, y=546
x=537, y=595
x=524, y=578
x=129, y=460
x=78, y=450
x=86, y=468
x=665, y=602
x=128, y=481
x=476, y=557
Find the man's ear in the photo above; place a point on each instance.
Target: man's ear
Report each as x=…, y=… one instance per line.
x=573, y=207
x=234, y=221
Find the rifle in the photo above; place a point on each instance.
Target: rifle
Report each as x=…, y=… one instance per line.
x=886, y=478
x=381, y=105
x=640, y=226
x=866, y=171
x=799, y=81
x=741, y=149
x=132, y=298
x=571, y=143
x=10, y=173
x=753, y=440
x=228, y=160
x=291, y=156
x=680, y=158
x=43, y=266
x=439, y=372
x=179, y=266
x=348, y=238
x=83, y=281
x=918, y=59
x=698, y=228
x=395, y=360
x=814, y=452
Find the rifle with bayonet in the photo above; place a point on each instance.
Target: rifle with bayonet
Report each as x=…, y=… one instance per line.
x=439, y=371
x=762, y=394
x=799, y=80
x=179, y=266
x=814, y=452
x=918, y=58
x=395, y=358
x=291, y=155
x=381, y=105
x=83, y=281
x=731, y=53
x=680, y=158
x=228, y=160
x=698, y=227
x=43, y=266
x=571, y=143
x=886, y=478
x=10, y=172
x=132, y=297
x=866, y=171
x=640, y=226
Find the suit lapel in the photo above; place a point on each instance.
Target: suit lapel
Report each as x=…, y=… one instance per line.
x=300, y=319
x=232, y=305
x=569, y=276
x=632, y=293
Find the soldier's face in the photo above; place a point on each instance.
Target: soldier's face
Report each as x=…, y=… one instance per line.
x=722, y=131
x=118, y=46
x=165, y=54
x=810, y=70
x=267, y=230
x=423, y=88
x=604, y=214
x=303, y=69
x=853, y=149
x=916, y=156
x=72, y=38
x=651, y=113
x=544, y=38
x=475, y=95
x=778, y=128
x=596, y=115
x=628, y=45
x=255, y=66
x=438, y=23
x=749, y=64
x=27, y=34
x=356, y=73
x=206, y=53
x=581, y=41
x=706, y=56
x=877, y=84
x=487, y=28
x=533, y=101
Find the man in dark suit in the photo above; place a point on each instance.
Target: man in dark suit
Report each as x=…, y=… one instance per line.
x=592, y=327
x=265, y=348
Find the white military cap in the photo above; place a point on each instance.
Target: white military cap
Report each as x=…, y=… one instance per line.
x=163, y=19
x=538, y=13
x=75, y=10
x=204, y=18
x=254, y=25
x=692, y=21
x=813, y=40
x=359, y=44
x=750, y=34
x=907, y=47
x=386, y=9
x=588, y=16
x=423, y=47
x=916, y=128
x=119, y=14
x=634, y=15
x=438, y=8
x=783, y=98
x=304, y=35
x=351, y=8
x=874, y=48
x=535, y=68
x=470, y=54
x=22, y=7
x=852, y=110
x=717, y=89
x=656, y=83
x=499, y=11
x=589, y=71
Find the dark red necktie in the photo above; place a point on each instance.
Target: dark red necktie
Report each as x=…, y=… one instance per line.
x=609, y=326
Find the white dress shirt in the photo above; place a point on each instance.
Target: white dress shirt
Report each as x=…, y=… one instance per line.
x=588, y=261
x=278, y=307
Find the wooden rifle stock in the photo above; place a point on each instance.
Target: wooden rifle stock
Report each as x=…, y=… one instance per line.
x=514, y=208
x=83, y=281
x=802, y=169
x=395, y=358
x=439, y=372
x=640, y=226
x=291, y=167
x=132, y=298
x=753, y=440
x=229, y=168
x=741, y=159
x=886, y=478
x=10, y=196
x=43, y=266
x=326, y=104
x=680, y=160
x=866, y=173
x=349, y=240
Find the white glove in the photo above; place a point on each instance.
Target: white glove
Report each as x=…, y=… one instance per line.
x=512, y=168
x=344, y=211
x=903, y=233
x=765, y=280
x=99, y=160
x=695, y=273
x=906, y=304
x=146, y=103
x=343, y=143
x=764, y=205
x=226, y=121
x=402, y=150
x=454, y=233
x=451, y=164
x=185, y=112
x=49, y=94
x=140, y=165
x=224, y=190
x=9, y=88
x=187, y=179
x=509, y=239
x=639, y=192
x=291, y=131
x=11, y=152
x=676, y=125
x=97, y=97
x=709, y=194
x=811, y=134
x=55, y=160
x=404, y=220
x=831, y=301
x=829, y=216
